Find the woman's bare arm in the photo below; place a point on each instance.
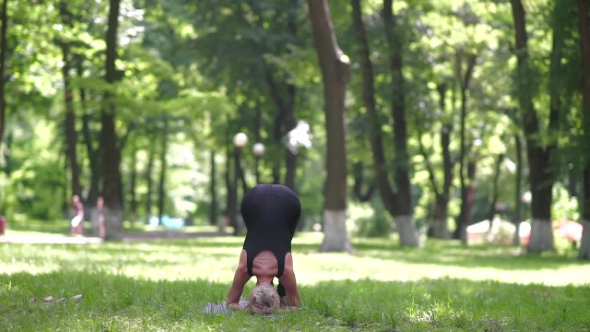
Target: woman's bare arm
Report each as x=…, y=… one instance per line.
x=289, y=281
x=240, y=279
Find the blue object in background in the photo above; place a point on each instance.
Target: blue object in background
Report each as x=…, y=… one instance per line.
x=172, y=223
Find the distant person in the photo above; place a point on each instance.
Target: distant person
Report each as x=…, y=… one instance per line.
x=100, y=216
x=271, y=213
x=77, y=222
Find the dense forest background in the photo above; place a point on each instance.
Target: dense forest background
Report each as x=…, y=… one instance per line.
x=421, y=116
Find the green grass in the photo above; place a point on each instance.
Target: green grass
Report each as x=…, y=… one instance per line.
x=164, y=285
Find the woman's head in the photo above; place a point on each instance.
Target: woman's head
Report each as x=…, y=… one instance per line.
x=264, y=299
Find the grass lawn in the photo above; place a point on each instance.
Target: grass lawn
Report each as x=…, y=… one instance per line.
x=164, y=286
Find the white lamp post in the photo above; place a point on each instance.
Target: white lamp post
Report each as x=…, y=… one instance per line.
x=240, y=140
x=258, y=149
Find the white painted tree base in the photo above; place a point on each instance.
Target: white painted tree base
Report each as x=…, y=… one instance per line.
x=113, y=220
x=335, y=235
x=541, y=236
x=584, y=252
x=408, y=234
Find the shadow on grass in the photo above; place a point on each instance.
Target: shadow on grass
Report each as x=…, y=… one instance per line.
x=443, y=253
x=454, y=254
x=439, y=253
x=114, y=302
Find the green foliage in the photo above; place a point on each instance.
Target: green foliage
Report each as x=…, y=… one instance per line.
x=370, y=220
x=35, y=188
x=564, y=207
x=207, y=67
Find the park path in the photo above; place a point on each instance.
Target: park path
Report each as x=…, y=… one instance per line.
x=127, y=237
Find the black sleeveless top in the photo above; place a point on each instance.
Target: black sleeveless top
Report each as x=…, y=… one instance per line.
x=271, y=213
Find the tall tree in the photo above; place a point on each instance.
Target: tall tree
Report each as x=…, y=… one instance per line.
x=133, y=183
x=335, y=67
x=113, y=209
x=163, y=169
x=3, y=46
x=70, y=123
x=402, y=209
x=440, y=229
x=584, y=26
x=92, y=152
x=495, y=189
x=540, y=175
x=149, y=182
x=518, y=191
x=213, y=206
x=368, y=93
x=375, y=133
x=467, y=185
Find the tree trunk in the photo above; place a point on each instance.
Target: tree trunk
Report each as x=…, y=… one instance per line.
x=70, y=123
x=584, y=25
x=584, y=251
x=283, y=123
x=240, y=172
x=441, y=214
x=278, y=125
x=163, y=169
x=277, y=134
x=290, y=157
x=291, y=163
x=289, y=121
x=3, y=46
x=113, y=211
x=133, y=184
x=257, y=128
x=122, y=142
x=375, y=132
x=495, y=191
x=335, y=67
x=231, y=184
x=518, y=194
x=359, y=180
x=464, y=79
x=403, y=212
x=448, y=165
x=440, y=228
x=538, y=158
x=7, y=154
x=149, y=184
x=572, y=184
x=93, y=153
x=467, y=200
x=284, y=97
x=213, y=207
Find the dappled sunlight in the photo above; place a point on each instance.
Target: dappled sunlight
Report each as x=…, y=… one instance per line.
x=215, y=259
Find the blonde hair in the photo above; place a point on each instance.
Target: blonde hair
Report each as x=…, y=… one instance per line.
x=264, y=299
